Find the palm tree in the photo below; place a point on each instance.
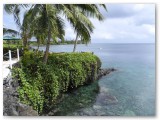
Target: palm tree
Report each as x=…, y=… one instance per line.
x=52, y=23
x=84, y=26
x=49, y=21
x=83, y=32
x=38, y=32
x=26, y=28
x=77, y=15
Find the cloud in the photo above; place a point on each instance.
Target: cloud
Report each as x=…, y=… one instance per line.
x=69, y=33
x=149, y=28
x=138, y=7
x=119, y=11
x=140, y=13
x=127, y=23
x=124, y=23
x=107, y=36
x=146, y=15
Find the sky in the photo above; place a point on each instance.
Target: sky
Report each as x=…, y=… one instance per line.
x=124, y=23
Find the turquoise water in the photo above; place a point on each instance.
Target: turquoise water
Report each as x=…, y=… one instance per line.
x=133, y=84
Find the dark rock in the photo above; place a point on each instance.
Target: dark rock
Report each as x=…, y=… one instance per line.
x=13, y=112
x=6, y=81
x=11, y=104
x=25, y=110
x=14, y=84
x=103, y=72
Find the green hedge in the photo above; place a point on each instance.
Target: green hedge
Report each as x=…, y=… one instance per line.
x=41, y=84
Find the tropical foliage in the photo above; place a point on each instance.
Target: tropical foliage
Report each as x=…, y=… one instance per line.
x=42, y=84
x=15, y=9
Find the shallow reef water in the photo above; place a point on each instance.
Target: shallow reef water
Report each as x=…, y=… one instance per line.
x=129, y=91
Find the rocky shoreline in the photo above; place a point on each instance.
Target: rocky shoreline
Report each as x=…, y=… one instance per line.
x=13, y=107
x=11, y=104
x=104, y=72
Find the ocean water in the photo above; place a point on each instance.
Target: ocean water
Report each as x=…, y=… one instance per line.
x=133, y=84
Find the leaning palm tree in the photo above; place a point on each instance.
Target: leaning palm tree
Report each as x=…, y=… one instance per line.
x=83, y=33
x=40, y=39
x=84, y=26
x=50, y=22
x=38, y=32
x=25, y=28
x=78, y=16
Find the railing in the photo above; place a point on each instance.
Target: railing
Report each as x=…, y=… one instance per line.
x=8, y=55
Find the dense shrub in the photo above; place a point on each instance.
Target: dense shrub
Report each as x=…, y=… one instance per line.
x=41, y=84
x=74, y=69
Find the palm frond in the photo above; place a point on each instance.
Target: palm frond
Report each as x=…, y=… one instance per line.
x=15, y=10
x=104, y=6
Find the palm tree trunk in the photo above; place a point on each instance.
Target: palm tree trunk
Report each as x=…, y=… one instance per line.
x=47, y=47
x=25, y=44
x=38, y=44
x=25, y=41
x=38, y=47
x=75, y=43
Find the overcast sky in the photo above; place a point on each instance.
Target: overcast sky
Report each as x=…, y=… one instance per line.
x=124, y=23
